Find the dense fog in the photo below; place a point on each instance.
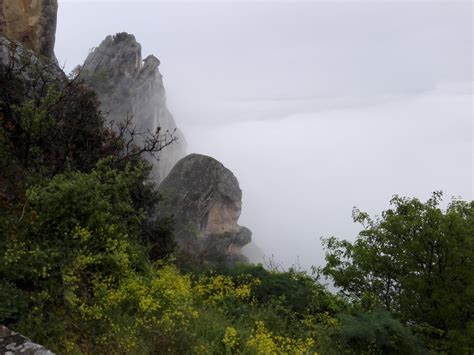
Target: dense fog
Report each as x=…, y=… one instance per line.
x=316, y=107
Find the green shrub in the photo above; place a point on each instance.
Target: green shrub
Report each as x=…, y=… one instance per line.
x=416, y=261
x=377, y=332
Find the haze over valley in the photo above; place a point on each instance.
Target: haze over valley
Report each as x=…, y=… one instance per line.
x=316, y=107
x=252, y=177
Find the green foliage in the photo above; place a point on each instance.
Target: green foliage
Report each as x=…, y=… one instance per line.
x=47, y=126
x=377, y=332
x=76, y=228
x=13, y=302
x=296, y=290
x=86, y=268
x=416, y=261
x=69, y=117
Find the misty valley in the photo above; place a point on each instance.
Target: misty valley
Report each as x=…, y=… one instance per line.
x=274, y=178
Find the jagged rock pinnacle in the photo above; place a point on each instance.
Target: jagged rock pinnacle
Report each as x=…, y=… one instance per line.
x=129, y=86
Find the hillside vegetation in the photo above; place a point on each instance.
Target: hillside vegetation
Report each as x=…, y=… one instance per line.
x=86, y=268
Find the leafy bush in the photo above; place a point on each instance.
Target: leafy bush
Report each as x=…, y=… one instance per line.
x=377, y=332
x=297, y=291
x=416, y=261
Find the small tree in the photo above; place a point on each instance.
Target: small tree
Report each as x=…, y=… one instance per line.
x=77, y=204
x=50, y=124
x=416, y=261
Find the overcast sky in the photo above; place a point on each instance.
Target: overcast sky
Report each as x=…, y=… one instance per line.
x=315, y=106
x=282, y=49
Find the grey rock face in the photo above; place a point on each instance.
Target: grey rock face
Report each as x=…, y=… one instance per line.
x=27, y=67
x=206, y=201
x=32, y=23
x=12, y=343
x=129, y=86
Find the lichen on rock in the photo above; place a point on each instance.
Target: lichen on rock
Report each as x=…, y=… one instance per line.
x=12, y=343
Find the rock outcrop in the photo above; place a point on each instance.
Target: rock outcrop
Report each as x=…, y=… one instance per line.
x=12, y=343
x=32, y=23
x=206, y=200
x=129, y=86
x=30, y=71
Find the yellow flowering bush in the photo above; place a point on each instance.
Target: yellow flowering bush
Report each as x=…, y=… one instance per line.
x=264, y=342
x=138, y=305
x=215, y=289
x=230, y=340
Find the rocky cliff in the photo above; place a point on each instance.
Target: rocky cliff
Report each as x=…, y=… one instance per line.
x=28, y=68
x=129, y=86
x=203, y=195
x=32, y=23
x=206, y=201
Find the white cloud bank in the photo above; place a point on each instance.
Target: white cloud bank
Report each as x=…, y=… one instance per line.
x=302, y=173
x=316, y=106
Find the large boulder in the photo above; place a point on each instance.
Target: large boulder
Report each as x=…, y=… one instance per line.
x=12, y=343
x=129, y=86
x=32, y=23
x=206, y=201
